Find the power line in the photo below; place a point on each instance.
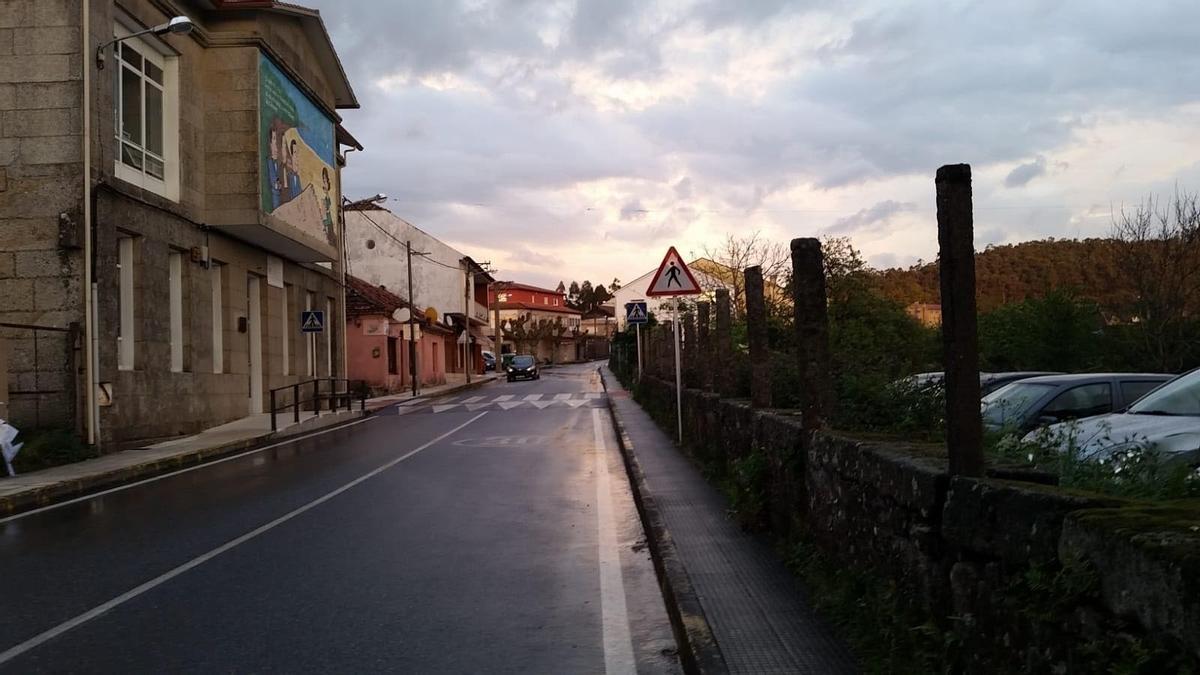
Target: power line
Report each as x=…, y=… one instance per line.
x=423, y=255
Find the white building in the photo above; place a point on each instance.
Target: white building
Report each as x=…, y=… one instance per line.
x=636, y=290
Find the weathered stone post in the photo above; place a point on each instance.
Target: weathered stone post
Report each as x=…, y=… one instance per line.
x=812, y=330
x=689, y=349
x=756, y=329
x=704, y=361
x=960, y=337
x=724, y=376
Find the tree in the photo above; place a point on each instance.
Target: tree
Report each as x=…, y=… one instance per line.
x=573, y=294
x=735, y=254
x=585, y=295
x=1157, y=249
x=614, y=286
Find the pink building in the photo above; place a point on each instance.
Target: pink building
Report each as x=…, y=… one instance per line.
x=377, y=345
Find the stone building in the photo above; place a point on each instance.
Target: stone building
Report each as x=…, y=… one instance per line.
x=168, y=207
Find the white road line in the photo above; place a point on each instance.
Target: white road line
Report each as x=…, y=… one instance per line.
x=204, y=465
x=473, y=399
x=472, y=407
x=14, y=652
x=533, y=397
x=618, y=644
x=562, y=397
x=575, y=403
x=542, y=404
x=506, y=397
x=509, y=405
x=444, y=408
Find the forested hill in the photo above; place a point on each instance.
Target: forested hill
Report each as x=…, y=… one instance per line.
x=1012, y=273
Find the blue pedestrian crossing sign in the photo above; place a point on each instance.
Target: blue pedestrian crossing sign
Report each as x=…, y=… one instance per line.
x=312, y=321
x=635, y=312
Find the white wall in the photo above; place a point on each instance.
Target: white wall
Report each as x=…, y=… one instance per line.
x=386, y=264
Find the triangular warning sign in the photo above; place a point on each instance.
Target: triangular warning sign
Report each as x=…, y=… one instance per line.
x=673, y=277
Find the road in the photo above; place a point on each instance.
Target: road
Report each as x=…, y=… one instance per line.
x=493, y=531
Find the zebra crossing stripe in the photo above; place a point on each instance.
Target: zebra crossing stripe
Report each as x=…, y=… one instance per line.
x=562, y=397
x=476, y=406
x=506, y=397
x=533, y=397
x=509, y=405
x=542, y=404
x=473, y=399
x=575, y=403
x=444, y=408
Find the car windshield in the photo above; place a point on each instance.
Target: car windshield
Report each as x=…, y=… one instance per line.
x=1010, y=402
x=523, y=361
x=1177, y=397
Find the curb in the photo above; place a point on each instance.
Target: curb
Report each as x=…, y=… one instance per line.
x=70, y=489
x=698, y=648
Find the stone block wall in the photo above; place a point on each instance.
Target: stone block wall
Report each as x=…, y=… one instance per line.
x=1021, y=576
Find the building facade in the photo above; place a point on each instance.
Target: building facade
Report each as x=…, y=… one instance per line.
x=169, y=205
x=538, y=321
x=448, y=286
x=377, y=343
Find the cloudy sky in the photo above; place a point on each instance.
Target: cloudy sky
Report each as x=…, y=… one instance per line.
x=573, y=139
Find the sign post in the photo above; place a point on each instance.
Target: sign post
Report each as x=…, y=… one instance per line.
x=673, y=280
x=636, y=314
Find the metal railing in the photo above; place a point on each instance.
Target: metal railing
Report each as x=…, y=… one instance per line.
x=338, y=390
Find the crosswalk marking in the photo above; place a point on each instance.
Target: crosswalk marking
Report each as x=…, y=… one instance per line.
x=533, y=397
x=507, y=402
x=444, y=408
x=575, y=403
x=476, y=406
x=542, y=404
x=473, y=399
x=562, y=397
x=509, y=405
x=506, y=397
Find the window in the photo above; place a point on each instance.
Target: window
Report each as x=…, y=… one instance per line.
x=1135, y=389
x=175, y=284
x=125, y=334
x=1083, y=401
x=545, y=300
x=218, y=316
x=145, y=113
x=285, y=325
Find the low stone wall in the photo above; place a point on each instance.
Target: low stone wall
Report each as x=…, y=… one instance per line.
x=1018, y=576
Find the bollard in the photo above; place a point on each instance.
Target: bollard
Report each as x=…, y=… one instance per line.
x=812, y=331
x=756, y=330
x=724, y=378
x=960, y=336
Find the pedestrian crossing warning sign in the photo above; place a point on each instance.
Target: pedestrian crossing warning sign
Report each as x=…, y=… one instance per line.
x=673, y=278
x=635, y=312
x=312, y=321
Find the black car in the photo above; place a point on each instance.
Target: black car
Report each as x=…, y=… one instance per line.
x=523, y=366
x=489, y=361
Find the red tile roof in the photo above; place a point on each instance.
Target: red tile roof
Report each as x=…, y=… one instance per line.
x=363, y=298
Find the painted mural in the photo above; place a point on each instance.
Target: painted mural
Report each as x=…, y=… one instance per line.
x=298, y=162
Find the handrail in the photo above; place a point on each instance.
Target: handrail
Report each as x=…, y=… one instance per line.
x=334, y=394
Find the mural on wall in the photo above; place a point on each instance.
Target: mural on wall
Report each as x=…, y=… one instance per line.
x=298, y=172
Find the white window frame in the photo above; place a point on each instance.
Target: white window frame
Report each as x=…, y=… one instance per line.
x=175, y=286
x=126, y=338
x=157, y=53
x=218, y=317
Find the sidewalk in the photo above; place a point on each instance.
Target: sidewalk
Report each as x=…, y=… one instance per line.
x=753, y=606
x=41, y=488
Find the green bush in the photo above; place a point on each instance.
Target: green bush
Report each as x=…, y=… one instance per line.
x=45, y=448
x=1057, y=332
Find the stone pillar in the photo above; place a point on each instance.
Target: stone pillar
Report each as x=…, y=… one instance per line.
x=689, y=349
x=960, y=338
x=704, y=360
x=724, y=377
x=812, y=330
x=756, y=330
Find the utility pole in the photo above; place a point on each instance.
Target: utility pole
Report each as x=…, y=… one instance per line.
x=466, y=320
x=412, y=325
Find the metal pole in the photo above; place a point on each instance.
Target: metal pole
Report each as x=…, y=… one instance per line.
x=412, y=326
x=678, y=375
x=273, y=429
x=639, y=350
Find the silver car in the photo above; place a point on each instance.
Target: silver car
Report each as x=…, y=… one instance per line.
x=1038, y=401
x=1165, y=421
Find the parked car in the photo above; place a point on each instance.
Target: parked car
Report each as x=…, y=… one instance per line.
x=489, y=361
x=523, y=366
x=1034, y=402
x=1165, y=421
x=988, y=382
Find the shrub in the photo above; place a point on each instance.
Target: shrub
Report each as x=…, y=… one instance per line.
x=45, y=448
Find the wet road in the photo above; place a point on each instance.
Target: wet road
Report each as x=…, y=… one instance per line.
x=493, y=531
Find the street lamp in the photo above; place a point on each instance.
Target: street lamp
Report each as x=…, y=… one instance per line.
x=179, y=25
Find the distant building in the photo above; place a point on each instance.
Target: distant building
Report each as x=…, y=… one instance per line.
x=377, y=344
x=710, y=274
x=929, y=314
x=601, y=321
x=524, y=308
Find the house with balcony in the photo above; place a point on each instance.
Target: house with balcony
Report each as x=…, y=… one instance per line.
x=538, y=321
x=449, y=287
x=174, y=187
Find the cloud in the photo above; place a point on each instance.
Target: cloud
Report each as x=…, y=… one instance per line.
x=873, y=219
x=558, y=122
x=1020, y=176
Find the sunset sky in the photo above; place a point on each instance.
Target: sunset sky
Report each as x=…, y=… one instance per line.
x=572, y=140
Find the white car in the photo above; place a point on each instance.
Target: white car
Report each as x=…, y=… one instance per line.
x=1165, y=421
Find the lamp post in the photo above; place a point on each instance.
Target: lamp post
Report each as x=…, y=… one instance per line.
x=179, y=25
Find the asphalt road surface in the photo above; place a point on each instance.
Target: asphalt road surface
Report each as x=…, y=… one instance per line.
x=493, y=531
